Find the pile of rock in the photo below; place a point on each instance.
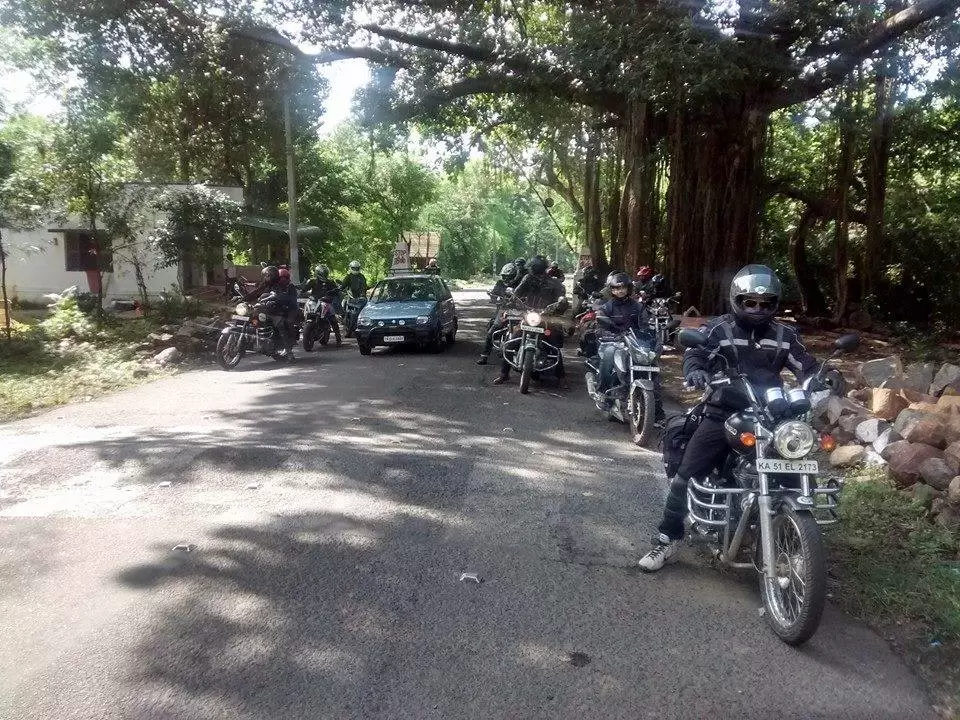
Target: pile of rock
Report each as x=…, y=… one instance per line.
x=907, y=421
x=173, y=342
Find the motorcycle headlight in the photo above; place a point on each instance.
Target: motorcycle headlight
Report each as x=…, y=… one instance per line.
x=242, y=309
x=532, y=318
x=794, y=439
x=364, y=322
x=423, y=319
x=262, y=317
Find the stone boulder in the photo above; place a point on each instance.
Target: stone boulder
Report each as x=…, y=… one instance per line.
x=912, y=396
x=849, y=424
x=936, y=473
x=160, y=339
x=904, y=418
x=923, y=494
x=867, y=431
x=947, y=377
x=885, y=438
x=905, y=460
x=928, y=430
x=168, y=357
x=953, y=491
x=847, y=455
x=188, y=344
x=949, y=405
x=952, y=457
x=892, y=448
x=918, y=376
x=873, y=459
x=886, y=403
x=874, y=372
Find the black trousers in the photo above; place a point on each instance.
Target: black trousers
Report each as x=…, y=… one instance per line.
x=494, y=324
x=706, y=450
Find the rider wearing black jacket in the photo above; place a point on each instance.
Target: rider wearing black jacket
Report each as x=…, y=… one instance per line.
x=509, y=276
x=748, y=338
x=321, y=287
x=279, y=303
x=355, y=282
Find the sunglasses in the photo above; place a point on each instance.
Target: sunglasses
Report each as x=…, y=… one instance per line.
x=753, y=304
x=617, y=288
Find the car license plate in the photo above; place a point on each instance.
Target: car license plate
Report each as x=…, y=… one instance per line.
x=794, y=467
x=393, y=338
x=531, y=328
x=244, y=318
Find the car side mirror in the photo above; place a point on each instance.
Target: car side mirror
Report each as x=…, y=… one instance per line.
x=847, y=342
x=689, y=338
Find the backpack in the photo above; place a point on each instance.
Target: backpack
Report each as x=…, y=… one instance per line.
x=679, y=430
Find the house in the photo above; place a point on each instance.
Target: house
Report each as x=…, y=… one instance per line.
x=63, y=254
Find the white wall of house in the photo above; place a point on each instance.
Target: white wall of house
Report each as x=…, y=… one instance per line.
x=37, y=260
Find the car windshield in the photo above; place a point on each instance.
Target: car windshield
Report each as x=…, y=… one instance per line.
x=402, y=289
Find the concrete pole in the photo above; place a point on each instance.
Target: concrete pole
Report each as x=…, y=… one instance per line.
x=291, y=191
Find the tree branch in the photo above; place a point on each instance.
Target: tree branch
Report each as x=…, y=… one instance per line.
x=877, y=37
x=821, y=206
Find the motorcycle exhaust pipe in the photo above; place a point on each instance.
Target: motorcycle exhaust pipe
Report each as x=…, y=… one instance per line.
x=591, y=384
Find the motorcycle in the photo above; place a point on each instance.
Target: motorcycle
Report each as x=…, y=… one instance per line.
x=351, y=311
x=635, y=396
x=317, y=321
x=661, y=319
x=764, y=507
x=251, y=330
x=526, y=348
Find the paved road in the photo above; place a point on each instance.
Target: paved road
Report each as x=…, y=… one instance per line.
x=333, y=506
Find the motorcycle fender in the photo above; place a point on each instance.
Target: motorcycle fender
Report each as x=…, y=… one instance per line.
x=226, y=331
x=644, y=384
x=793, y=500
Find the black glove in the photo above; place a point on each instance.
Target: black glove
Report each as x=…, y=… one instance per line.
x=698, y=379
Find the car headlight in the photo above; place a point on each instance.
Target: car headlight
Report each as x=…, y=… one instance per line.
x=364, y=322
x=532, y=318
x=794, y=439
x=423, y=319
x=242, y=309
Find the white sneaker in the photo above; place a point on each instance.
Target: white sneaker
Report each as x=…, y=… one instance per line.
x=664, y=551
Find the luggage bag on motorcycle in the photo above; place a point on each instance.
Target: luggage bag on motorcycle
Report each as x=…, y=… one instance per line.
x=679, y=430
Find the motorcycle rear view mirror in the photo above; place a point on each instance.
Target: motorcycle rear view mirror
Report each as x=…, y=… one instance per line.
x=692, y=338
x=847, y=342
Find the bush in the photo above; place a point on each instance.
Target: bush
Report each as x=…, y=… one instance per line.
x=68, y=320
x=88, y=303
x=173, y=307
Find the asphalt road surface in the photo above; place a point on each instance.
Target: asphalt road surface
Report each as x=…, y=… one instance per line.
x=330, y=508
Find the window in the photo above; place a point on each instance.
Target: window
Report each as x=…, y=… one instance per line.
x=85, y=252
x=400, y=290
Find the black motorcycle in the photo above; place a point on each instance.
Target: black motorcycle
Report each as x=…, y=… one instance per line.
x=250, y=330
x=661, y=318
x=763, y=507
x=530, y=347
x=318, y=317
x=351, y=311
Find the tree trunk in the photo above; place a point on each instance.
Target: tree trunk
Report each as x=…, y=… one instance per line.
x=845, y=153
x=713, y=201
x=638, y=206
x=593, y=221
x=812, y=301
x=3, y=287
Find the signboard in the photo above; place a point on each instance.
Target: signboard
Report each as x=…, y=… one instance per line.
x=401, y=256
x=423, y=245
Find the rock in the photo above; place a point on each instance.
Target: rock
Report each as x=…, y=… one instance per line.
x=927, y=430
x=160, y=340
x=860, y=395
x=947, y=377
x=867, y=431
x=874, y=372
x=892, y=448
x=847, y=455
x=170, y=329
x=949, y=519
x=188, y=344
x=952, y=424
x=872, y=458
x=938, y=505
x=952, y=457
x=168, y=356
x=885, y=438
x=923, y=494
x=918, y=376
x=860, y=320
x=886, y=403
x=953, y=491
x=904, y=418
x=924, y=408
x=912, y=396
x=936, y=473
x=850, y=423
x=948, y=404
x=905, y=460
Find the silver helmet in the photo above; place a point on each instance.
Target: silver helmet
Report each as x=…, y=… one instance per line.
x=755, y=294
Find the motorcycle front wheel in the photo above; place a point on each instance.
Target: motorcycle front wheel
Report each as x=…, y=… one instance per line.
x=308, y=338
x=795, y=597
x=642, y=417
x=229, y=351
x=325, y=335
x=526, y=374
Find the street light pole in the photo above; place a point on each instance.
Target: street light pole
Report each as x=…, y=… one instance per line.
x=291, y=190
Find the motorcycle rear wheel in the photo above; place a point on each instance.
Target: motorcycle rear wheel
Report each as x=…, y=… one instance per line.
x=643, y=418
x=526, y=374
x=229, y=351
x=794, y=600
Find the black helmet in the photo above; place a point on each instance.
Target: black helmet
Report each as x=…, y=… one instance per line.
x=520, y=263
x=270, y=273
x=620, y=279
x=508, y=273
x=322, y=271
x=755, y=295
x=538, y=266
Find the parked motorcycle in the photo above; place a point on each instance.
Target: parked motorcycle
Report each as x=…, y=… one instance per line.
x=317, y=321
x=250, y=330
x=635, y=395
x=763, y=508
x=661, y=318
x=351, y=311
x=527, y=348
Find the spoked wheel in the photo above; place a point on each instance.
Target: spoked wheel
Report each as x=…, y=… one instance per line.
x=794, y=599
x=643, y=418
x=526, y=374
x=229, y=351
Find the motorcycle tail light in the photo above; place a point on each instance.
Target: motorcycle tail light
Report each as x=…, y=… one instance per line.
x=546, y=332
x=828, y=443
x=748, y=439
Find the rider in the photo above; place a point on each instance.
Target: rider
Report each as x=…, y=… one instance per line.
x=321, y=287
x=588, y=283
x=651, y=284
x=433, y=267
x=555, y=272
x=748, y=338
x=538, y=291
x=279, y=302
x=508, y=280
x=521, y=264
x=355, y=282
x=625, y=313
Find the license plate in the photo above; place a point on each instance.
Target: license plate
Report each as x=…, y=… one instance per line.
x=244, y=318
x=794, y=467
x=530, y=328
x=393, y=338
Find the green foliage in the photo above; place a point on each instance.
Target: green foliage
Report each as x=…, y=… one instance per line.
x=28, y=182
x=893, y=563
x=173, y=307
x=67, y=319
x=198, y=224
